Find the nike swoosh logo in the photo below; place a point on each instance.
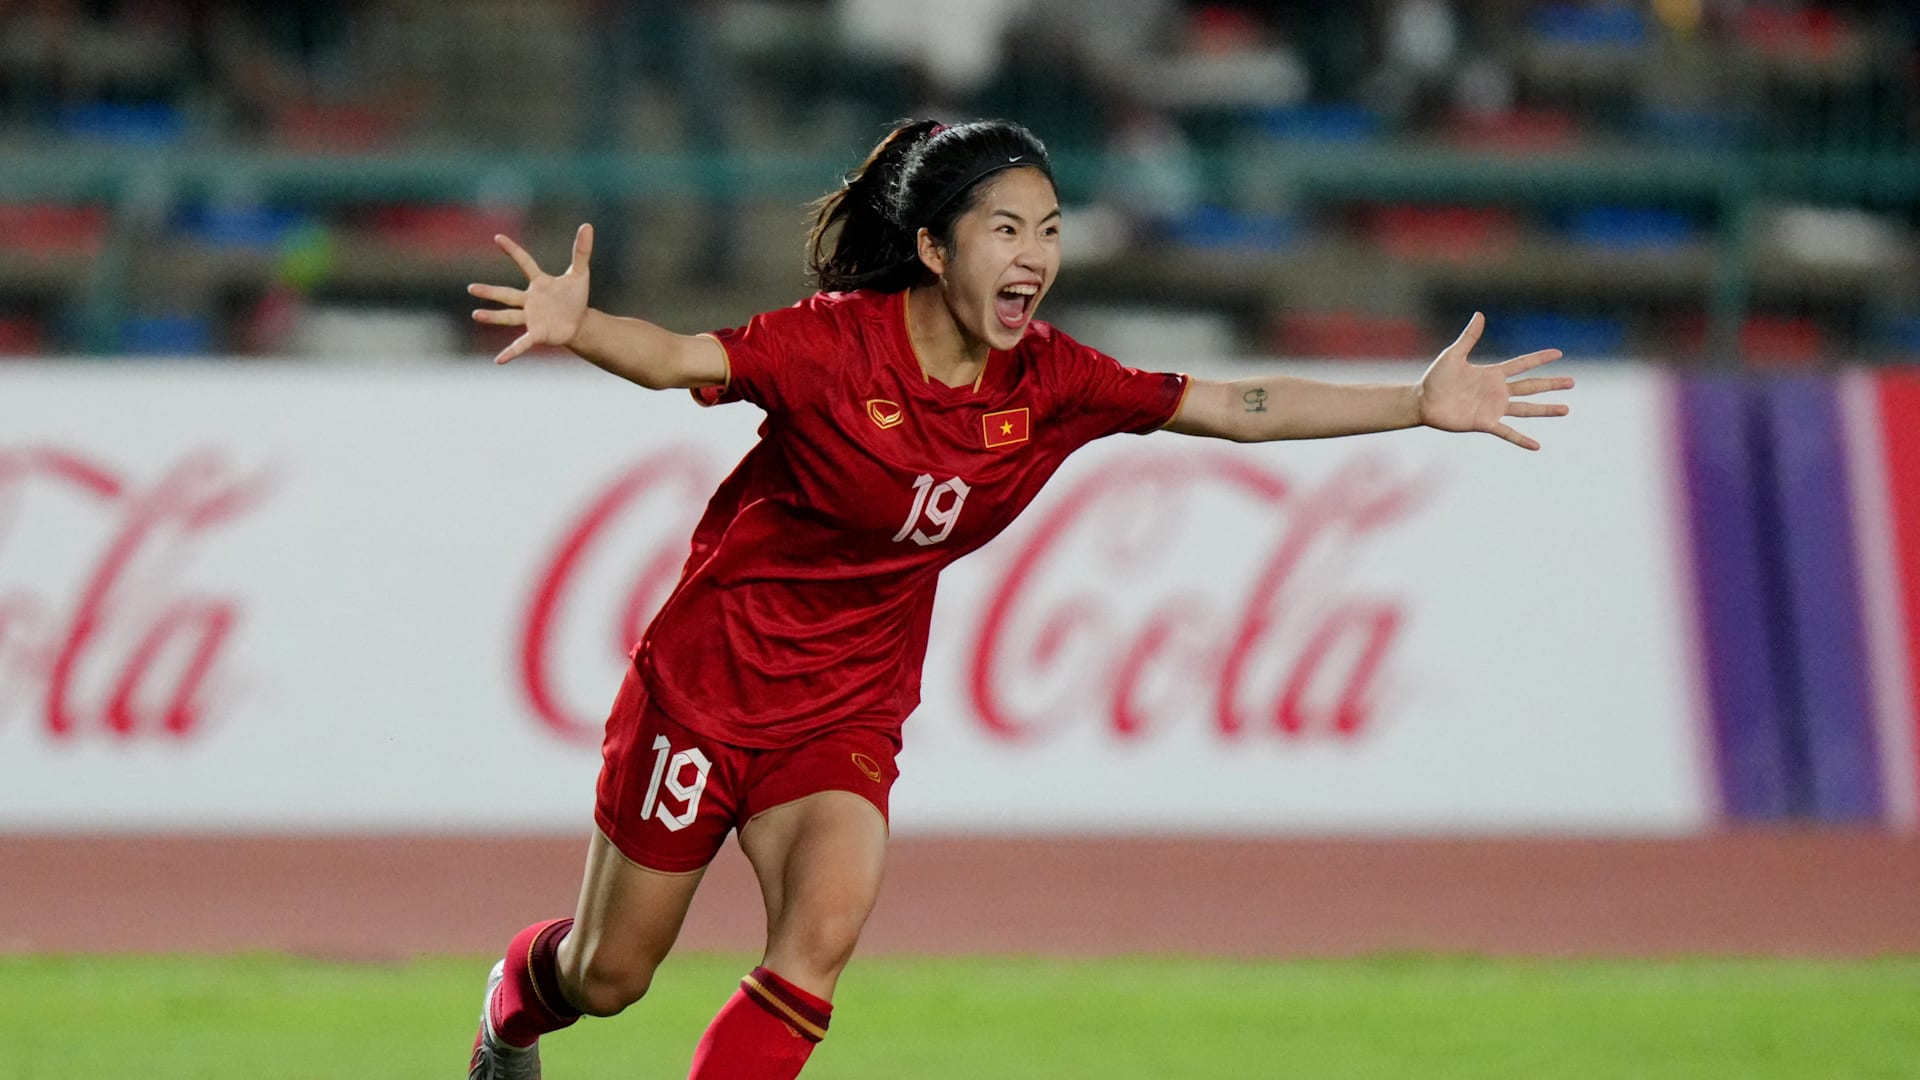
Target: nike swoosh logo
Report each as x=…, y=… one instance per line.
x=1014, y=159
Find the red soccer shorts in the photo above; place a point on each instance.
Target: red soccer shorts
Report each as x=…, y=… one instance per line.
x=668, y=795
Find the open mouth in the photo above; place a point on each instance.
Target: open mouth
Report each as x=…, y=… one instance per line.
x=1014, y=304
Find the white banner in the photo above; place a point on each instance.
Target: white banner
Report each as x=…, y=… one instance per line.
x=279, y=597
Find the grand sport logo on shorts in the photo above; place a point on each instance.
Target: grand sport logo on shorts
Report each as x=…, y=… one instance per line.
x=1290, y=637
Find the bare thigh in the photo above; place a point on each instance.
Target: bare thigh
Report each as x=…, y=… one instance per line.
x=820, y=861
x=625, y=924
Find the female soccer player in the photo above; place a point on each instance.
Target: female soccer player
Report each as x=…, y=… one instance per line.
x=914, y=407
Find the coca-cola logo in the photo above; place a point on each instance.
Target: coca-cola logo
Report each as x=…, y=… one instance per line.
x=1091, y=617
x=604, y=578
x=1194, y=586
x=100, y=630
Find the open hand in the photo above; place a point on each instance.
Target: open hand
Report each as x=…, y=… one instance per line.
x=550, y=308
x=1458, y=396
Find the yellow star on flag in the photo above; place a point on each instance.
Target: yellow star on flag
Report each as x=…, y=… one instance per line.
x=1006, y=427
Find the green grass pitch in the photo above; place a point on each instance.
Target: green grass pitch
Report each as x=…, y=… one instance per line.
x=253, y=1017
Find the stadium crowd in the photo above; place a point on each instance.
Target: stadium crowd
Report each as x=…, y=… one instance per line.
x=1303, y=180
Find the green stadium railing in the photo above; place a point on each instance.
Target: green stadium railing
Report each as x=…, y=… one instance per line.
x=138, y=184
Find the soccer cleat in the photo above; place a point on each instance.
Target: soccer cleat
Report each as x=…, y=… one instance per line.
x=493, y=1059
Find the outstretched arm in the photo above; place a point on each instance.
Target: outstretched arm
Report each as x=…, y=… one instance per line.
x=553, y=311
x=1453, y=395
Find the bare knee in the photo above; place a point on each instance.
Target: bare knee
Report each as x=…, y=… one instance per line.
x=600, y=984
x=815, y=946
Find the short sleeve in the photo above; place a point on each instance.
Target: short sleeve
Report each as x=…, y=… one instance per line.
x=772, y=360
x=1104, y=397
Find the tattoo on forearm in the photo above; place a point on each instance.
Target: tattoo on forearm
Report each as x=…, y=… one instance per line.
x=1256, y=400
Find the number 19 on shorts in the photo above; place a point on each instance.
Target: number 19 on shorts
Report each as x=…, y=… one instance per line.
x=669, y=773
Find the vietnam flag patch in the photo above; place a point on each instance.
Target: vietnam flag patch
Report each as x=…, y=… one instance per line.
x=1006, y=427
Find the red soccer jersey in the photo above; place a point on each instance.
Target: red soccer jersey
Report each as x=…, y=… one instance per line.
x=808, y=594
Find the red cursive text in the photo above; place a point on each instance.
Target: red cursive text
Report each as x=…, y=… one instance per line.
x=1075, y=626
x=118, y=648
x=652, y=505
x=1287, y=645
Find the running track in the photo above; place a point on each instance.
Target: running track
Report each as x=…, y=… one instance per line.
x=1791, y=893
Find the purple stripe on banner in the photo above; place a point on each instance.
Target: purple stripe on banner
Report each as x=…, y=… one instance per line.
x=1831, y=710
x=1718, y=437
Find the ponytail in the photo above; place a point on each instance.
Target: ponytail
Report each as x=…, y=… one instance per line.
x=922, y=176
x=873, y=248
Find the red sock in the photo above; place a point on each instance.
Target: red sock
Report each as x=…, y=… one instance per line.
x=765, y=1031
x=529, y=1003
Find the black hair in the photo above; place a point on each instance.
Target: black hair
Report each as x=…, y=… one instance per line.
x=923, y=175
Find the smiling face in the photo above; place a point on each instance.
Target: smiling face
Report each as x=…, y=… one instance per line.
x=1004, y=257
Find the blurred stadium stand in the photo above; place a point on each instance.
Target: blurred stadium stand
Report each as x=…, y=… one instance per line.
x=1707, y=183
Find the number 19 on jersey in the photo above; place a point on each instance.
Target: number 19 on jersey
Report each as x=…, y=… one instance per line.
x=927, y=500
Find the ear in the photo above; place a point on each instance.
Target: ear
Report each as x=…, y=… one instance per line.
x=931, y=254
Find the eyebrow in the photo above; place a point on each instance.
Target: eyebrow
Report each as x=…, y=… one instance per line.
x=1022, y=221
